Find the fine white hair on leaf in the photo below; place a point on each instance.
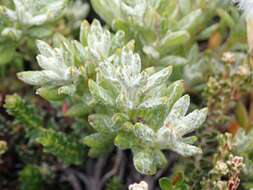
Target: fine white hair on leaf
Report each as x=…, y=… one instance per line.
x=139, y=186
x=247, y=6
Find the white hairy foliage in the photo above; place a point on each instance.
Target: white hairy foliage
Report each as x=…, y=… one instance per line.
x=178, y=124
x=59, y=64
x=243, y=141
x=78, y=9
x=101, y=44
x=108, y=9
x=135, y=91
x=247, y=6
x=99, y=41
x=124, y=70
x=35, y=12
x=57, y=68
x=135, y=9
x=123, y=86
x=139, y=186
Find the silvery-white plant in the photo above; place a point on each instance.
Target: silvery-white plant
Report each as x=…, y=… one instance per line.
x=97, y=43
x=59, y=65
x=133, y=10
x=133, y=94
x=139, y=186
x=35, y=12
x=134, y=108
x=141, y=20
x=58, y=69
x=24, y=21
x=247, y=7
x=243, y=145
x=76, y=12
x=159, y=27
x=177, y=124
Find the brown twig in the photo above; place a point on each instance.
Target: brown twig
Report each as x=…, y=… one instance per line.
x=71, y=178
x=115, y=168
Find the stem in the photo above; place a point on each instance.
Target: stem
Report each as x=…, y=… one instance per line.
x=119, y=157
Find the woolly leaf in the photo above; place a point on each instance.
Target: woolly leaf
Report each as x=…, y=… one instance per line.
x=98, y=41
x=102, y=123
x=157, y=79
x=100, y=94
x=32, y=12
x=84, y=30
x=57, y=69
x=176, y=125
x=144, y=162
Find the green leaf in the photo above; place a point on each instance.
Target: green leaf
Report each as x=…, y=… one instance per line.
x=175, y=91
x=173, y=60
x=107, y=9
x=23, y=113
x=99, y=41
x=194, y=120
x=144, y=162
x=180, y=108
x=102, y=123
x=144, y=134
x=40, y=32
x=185, y=6
x=165, y=184
x=242, y=115
x=29, y=12
x=118, y=41
x=79, y=110
x=157, y=79
x=226, y=17
x=153, y=103
x=172, y=39
x=191, y=21
x=100, y=94
x=99, y=143
x=64, y=148
x=50, y=94
x=39, y=78
x=205, y=34
x=124, y=140
x=31, y=178
x=6, y=55
x=84, y=30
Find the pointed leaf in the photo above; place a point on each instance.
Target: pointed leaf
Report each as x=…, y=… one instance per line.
x=157, y=79
x=100, y=94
